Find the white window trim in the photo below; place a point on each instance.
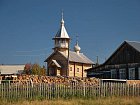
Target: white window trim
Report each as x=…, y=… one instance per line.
x=112, y=72
x=131, y=76
x=139, y=73
x=120, y=72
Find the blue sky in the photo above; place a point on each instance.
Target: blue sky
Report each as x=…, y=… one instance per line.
x=28, y=26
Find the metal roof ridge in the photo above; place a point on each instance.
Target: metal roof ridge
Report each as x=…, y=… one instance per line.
x=132, y=41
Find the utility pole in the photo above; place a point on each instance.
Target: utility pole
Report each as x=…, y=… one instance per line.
x=97, y=61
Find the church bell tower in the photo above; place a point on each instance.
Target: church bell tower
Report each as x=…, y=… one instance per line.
x=62, y=39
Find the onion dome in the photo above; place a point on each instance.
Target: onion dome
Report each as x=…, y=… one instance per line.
x=76, y=47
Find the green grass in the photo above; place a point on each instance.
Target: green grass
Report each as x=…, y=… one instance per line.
x=80, y=101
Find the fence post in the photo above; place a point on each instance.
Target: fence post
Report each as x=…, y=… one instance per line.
x=8, y=89
x=84, y=89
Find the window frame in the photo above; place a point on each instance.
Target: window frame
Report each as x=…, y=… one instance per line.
x=139, y=73
x=122, y=73
x=132, y=74
x=113, y=74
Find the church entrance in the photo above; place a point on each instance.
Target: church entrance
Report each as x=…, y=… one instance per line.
x=54, y=68
x=53, y=71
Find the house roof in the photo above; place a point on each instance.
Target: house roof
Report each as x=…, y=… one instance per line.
x=74, y=57
x=81, y=58
x=54, y=54
x=134, y=44
x=56, y=63
x=11, y=69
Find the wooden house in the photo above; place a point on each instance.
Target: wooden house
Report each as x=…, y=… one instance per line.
x=124, y=63
x=65, y=62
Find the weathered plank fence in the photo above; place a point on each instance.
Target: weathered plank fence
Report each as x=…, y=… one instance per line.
x=28, y=90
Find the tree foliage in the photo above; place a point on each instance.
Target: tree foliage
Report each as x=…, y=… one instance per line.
x=34, y=69
x=27, y=68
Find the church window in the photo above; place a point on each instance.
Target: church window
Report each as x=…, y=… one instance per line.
x=63, y=41
x=70, y=68
x=77, y=69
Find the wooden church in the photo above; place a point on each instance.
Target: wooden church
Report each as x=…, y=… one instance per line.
x=63, y=62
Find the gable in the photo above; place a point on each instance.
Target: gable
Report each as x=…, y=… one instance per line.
x=124, y=54
x=56, y=56
x=73, y=57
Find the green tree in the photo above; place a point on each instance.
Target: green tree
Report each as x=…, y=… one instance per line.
x=43, y=71
x=36, y=69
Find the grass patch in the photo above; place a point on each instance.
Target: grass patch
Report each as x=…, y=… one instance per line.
x=80, y=101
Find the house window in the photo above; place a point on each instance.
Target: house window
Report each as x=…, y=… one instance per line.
x=113, y=74
x=77, y=69
x=59, y=42
x=139, y=73
x=122, y=73
x=70, y=68
x=131, y=73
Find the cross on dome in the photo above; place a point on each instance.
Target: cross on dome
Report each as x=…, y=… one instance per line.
x=62, y=20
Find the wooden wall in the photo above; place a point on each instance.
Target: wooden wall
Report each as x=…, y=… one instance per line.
x=73, y=66
x=82, y=67
x=125, y=54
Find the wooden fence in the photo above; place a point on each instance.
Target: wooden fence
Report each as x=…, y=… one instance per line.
x=14, y=90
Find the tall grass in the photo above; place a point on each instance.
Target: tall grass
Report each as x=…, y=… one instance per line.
x=80, y=101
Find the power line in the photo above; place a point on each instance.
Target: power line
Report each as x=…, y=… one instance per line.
x=32, y=50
